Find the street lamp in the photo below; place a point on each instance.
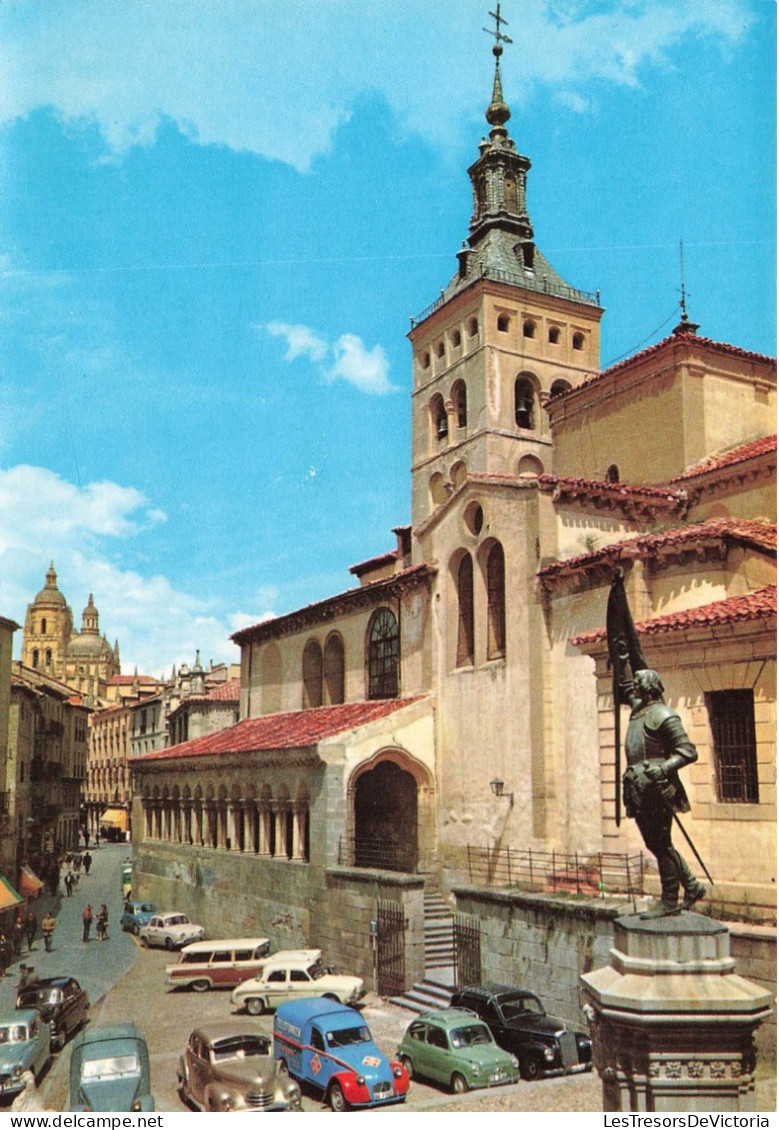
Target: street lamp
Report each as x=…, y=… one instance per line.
x=497, y=790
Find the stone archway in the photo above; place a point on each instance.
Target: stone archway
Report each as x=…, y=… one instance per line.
x=385, y=819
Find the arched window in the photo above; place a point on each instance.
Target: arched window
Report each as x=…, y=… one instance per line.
x=43, y=626
x=612, y=474
x=35, y=657
x=578, y=341
x=383, y=655
x=460, y=401
x=524, y=403
x=440, y=349
x=464, y=655
x=529, y=328
x=334, y=669
x=554, y=334
x=439, y=418
x=48, y=657
x=312, y=675
x=473, y=327
x=559, y=386
x=496, y=602
x=504, y=323
x=456, y=338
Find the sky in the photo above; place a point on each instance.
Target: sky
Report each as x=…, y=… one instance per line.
x=216, y=220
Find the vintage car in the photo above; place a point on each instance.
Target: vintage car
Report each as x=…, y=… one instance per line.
x=61, y=1002
x=137, y=914
x=220, y=964
x=230, y=1066
x=109, y=1070
x=330, y=1048
x=453, y=1047
x=25, y=1045
x=544, y=1045
x=127, y=878
x=171, y=930
x=289, y=976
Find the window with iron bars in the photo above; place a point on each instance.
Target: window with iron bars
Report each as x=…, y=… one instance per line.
x=732, y=721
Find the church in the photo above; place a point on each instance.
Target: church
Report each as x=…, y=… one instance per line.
x=449, y=714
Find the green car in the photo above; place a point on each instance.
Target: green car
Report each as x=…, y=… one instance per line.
x=109, y=1070
x=452, y=1046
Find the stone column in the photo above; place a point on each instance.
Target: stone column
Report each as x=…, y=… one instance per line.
x=266, y=816
x=299, y=810
x=672, y=1022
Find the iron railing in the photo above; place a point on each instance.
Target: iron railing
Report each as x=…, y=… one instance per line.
x=600, y=873
x=381, y=854
x=543, y=286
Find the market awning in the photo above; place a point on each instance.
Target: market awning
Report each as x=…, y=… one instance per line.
x=8, y=896
x=114, y=818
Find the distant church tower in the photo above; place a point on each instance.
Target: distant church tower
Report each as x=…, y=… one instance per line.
x=505, y=334
x=84, y=660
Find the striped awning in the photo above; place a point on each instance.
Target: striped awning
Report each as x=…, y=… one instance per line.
x=8, y=896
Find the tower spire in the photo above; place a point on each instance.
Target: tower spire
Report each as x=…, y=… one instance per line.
x=498, y=112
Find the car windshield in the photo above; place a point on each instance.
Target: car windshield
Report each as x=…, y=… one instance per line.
x=48, y=996
x=177, y=920
x=239, y=1047
x=512, y=1007
x=316, y=971
x=112, y=1067
x=145, y=908
x=348, y=1036
x=13, y=1034
x=469, y=1035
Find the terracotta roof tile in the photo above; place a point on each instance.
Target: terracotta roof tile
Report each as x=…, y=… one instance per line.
x=374, y=562
x=758, y=605
x=297, y=730
x=689, y=339
x=758, y=535
x=757, y=447
x=223, y=692
x=617, y=490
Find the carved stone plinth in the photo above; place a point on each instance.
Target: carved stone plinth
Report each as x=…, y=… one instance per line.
x=672, y=1022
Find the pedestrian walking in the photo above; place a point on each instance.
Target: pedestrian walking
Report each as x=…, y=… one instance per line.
x=48, y=926
x=18, y=932
x=26, y=977
x=102, y=922
x=69, y=883
x=30, y=928
x=77, y=862
x=87, y=861
x=86, y=921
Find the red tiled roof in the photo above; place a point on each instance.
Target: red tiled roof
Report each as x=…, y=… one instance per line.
x=758, y=605
x=374, y=562
x=222, y=692
x=297, y=730
x=617, y=490
x=757, y=535
x=757, y=447
x=672, y=339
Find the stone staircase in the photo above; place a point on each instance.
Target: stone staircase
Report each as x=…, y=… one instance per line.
x=435, y=991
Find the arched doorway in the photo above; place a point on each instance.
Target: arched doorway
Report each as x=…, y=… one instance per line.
x=386, y=818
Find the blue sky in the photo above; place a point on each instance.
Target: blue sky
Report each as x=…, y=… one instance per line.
x=217, y=218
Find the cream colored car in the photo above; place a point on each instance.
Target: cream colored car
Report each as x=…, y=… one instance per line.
x=291, y=976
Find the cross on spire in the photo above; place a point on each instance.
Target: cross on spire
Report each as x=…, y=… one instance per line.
x=497, y=33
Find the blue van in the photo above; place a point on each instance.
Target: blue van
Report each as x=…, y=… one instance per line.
x=330, y=1047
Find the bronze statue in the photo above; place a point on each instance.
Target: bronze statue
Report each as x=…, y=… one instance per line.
x=656, y=748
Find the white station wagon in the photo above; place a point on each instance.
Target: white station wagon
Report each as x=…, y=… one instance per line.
x=171, y=930
x=292, y=975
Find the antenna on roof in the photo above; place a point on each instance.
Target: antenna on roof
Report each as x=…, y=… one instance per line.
x=685, y=325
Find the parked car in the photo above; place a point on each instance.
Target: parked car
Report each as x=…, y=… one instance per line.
x=290, y=976
x=61, y=1002
x=231, y=1067
x=137, y=914
x=127, y=878
x=221, y=964
x=171, y=930
x=544, y=1045
x=25, y=1045
x=453, y=1047
x=329, y=1047
x=109, y=1070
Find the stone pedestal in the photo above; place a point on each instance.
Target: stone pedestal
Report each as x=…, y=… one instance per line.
x=672, y=1022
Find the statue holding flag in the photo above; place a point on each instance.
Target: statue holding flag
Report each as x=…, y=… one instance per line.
x=656, y=748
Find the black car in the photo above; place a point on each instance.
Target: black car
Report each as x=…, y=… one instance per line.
x=59, y=1000
x=544, y=1045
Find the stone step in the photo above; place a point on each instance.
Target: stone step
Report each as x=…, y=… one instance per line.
x=425, y=995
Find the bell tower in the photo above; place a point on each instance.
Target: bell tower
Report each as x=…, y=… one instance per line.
x=506, y=333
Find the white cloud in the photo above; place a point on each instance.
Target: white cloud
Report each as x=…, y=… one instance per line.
x=301, y=341
x=43, y=517
x=241, y=620
x=221, y=71
x=348, y=358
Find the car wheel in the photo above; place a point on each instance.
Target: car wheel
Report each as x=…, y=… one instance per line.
x=530, y=1068
x=201, y=985
x=409, y=1066
x=459, y=1084
x=144, y=941
x=169, y=944
x=136, y=929
x=336, y=1098
x=255, y=1006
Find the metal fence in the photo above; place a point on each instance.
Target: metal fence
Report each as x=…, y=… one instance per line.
x=383, y=854
x=601, y=873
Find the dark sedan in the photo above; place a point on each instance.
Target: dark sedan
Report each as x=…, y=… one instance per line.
x=61, y=1002
x=543, y=1044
